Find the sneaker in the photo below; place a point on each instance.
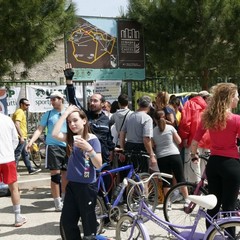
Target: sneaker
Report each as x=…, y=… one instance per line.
x=177, y=196
x=20, y=221
x=59, y=207
x=34, y=170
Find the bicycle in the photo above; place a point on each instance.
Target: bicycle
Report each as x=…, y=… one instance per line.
x=37, y=152
x=131, y=226
x=174, y=201
x=113, y=210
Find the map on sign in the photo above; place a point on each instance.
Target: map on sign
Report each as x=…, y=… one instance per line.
x=92, y=46
x=106, y=49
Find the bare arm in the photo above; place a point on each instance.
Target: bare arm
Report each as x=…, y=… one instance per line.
x=17, y=125
x=56, y=133
x=177, y=138
x=35, y=136
x=122, y=139
x=148, y=145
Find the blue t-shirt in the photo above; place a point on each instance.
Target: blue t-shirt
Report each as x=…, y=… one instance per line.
x=77, y=163
x=49, y=119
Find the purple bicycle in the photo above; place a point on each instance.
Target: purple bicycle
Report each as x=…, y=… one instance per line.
x=131, y=225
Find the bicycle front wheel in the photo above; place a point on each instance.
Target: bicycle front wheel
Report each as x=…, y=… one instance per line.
x=150, y=190
x=223, y=230
x=174, y=206
x=127, y=231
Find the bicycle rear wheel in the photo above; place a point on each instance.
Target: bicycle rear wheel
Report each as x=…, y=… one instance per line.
x=221, y=232
x=174, y=206
x=42, y=150
x=150, y=190
x=36, y=158
x=125, y=230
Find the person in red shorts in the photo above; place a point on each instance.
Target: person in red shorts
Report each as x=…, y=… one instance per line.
x=8, y=171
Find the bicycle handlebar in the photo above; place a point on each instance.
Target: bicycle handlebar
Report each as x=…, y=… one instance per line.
x=161, y=175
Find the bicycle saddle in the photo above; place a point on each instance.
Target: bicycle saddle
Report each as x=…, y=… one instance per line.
x=205, y=201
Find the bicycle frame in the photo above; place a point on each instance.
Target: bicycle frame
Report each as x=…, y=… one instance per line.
x=197, y=191
x=200, y=184
x=189, y=232
x=101, y=184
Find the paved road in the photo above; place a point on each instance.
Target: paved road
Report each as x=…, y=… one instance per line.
x=38, y=207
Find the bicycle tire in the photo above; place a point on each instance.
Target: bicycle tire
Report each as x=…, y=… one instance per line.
x=215, y=234
x=100, y=210
x=36, y=158
x=124, y=228
x=174, y=210
x=151, y=191
x=42, y=150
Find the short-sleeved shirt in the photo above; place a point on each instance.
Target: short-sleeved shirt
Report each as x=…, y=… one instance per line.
x=77, y=164
x=165, y=145
x=223, y=142
x=20, y=116
x=138, y=125
x=49, y=119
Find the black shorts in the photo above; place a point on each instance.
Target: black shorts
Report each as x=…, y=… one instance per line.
x=56, y=158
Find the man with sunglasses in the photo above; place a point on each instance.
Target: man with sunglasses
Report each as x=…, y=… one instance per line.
x=20, y=121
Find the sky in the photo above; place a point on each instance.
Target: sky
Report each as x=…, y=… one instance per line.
x=100, y=8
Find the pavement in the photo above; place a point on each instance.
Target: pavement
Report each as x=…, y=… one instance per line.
x=38, y=207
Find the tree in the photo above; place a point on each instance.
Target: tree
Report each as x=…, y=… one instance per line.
x=29, y=30
x=193, y=38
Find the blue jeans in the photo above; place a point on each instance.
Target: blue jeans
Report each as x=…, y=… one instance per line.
x=20, y=151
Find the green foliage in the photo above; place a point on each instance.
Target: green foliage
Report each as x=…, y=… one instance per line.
x=29, y=30
x=194, y=38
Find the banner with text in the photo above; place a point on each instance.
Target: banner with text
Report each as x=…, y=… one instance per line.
x=109, y=89
x=37, y=96
x=3, y=100
x=13, y=97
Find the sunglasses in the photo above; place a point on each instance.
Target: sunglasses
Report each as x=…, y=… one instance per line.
x=26, y=104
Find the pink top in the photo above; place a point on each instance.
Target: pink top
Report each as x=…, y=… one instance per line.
x=223, y=143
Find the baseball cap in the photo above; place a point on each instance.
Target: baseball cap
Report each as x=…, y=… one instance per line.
x=144, y=101
x=56, y=94
x=204, y=93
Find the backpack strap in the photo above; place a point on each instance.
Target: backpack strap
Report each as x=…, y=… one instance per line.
x=124, y=120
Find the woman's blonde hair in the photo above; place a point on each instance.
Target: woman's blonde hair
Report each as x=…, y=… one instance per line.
x=162, y=100
x=216, y=114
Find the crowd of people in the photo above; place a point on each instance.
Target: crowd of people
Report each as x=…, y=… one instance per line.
x=79, y=140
